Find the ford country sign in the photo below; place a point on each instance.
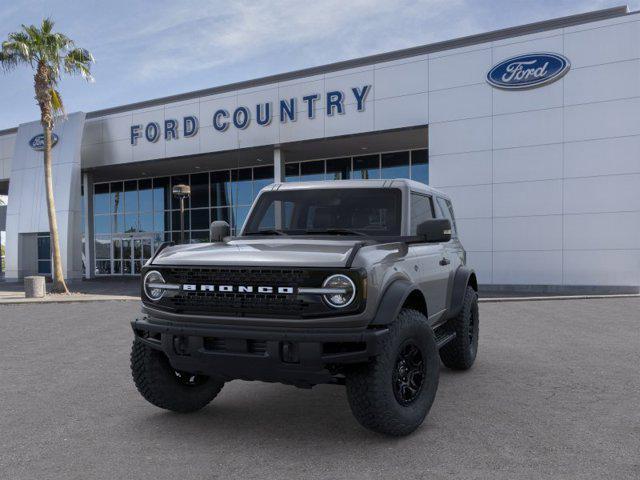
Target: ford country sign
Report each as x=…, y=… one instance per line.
x=37, y=142
x=528, y=71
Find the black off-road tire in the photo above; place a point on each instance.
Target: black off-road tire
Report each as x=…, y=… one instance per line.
x=371, y=387
x=460, y=353
x=164, y=387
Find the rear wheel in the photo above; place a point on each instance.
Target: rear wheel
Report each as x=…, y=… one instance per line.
x=393, y=393
x=460, y=353
x=163, y=386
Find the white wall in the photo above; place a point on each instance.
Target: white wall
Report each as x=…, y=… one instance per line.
x=546, y=182
x=6, y=153
x=27, y=209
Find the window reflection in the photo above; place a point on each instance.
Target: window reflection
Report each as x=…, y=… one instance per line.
x=262, y=176
x=200, y=190
x=116, y=197
x=420, y=166
x=241, y=186
x=292, y=172
x=366, y=167
x=338, y=169
x=101, y=198
x=145, y=195
x=161, y=194
x=200, y=219
x=395, y=165
x=175, y=220
x=220, y=188
x=131, y=196
x=312, y=171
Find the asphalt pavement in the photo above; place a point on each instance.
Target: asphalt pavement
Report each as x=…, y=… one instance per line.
x=555, y=393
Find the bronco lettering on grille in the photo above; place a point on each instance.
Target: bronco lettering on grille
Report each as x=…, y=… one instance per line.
x=237, y=289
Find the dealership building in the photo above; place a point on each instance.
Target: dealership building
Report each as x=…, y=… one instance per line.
x=534, y=132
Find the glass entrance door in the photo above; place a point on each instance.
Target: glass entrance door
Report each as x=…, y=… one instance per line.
x=130, y=252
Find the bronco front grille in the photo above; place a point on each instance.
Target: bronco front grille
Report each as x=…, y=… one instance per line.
x=249, y=304
x=244, y=304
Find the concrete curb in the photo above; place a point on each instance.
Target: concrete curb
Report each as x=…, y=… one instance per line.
x=70, y=299
x=555, y=297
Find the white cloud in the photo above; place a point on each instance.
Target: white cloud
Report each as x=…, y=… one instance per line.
x=203, y=35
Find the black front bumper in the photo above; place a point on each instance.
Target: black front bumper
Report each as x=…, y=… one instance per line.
x=301, y=358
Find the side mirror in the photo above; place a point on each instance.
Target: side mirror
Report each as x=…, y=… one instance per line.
x=435, y=230
x=218, y=230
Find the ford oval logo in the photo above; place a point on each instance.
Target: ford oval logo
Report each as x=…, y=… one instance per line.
x=528, y=71
x=37, y=142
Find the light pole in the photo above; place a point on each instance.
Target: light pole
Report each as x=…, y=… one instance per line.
x=181, y=192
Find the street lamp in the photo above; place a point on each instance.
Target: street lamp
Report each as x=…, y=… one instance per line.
x=181, y=192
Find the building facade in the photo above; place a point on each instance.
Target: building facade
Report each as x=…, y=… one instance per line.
x=534, y=131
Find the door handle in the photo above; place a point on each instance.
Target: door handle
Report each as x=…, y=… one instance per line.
x=444, y=261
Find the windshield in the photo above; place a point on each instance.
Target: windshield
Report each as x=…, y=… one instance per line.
x=336, y=211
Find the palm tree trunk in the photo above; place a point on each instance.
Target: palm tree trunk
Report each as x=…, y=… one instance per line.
x=59, y=285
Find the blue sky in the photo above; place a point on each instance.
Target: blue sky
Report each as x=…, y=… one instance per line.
x=149, y=49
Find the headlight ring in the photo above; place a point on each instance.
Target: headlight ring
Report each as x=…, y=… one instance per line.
x=153, y=277
x=345, y=291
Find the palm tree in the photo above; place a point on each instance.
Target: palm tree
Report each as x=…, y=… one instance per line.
x=48, y=54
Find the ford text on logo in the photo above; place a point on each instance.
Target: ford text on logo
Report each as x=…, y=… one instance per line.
x=528, y=71
x=37, y=142
x=287, y=109
x=237, y=289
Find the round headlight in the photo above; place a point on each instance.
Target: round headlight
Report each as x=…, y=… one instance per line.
x=151, y=279
x=344, y=291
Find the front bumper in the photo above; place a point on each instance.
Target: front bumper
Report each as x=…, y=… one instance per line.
x=302, y=358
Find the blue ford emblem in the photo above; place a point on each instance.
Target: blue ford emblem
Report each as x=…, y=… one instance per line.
x=528, y=71
x=37, y=142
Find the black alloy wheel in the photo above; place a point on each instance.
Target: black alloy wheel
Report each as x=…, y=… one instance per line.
x=408, y=374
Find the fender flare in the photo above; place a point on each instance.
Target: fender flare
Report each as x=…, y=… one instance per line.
x=392, y=300
x=464, y=276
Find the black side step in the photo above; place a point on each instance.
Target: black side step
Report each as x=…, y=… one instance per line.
x=442, y=338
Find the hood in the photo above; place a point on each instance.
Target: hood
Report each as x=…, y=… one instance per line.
x=290, y=251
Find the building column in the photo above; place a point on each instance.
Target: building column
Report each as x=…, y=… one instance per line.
x=87, y=205
x=278, y=177
x=278, y=165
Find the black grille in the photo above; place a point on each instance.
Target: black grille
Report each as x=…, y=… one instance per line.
x=240, y=276
x=254, y=347
x=241, y=304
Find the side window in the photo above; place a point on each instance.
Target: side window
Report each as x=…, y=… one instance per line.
x=447, y=212
x=421, y=210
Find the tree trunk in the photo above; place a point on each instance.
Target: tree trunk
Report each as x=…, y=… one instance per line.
x=42, y=85
x=59, y=285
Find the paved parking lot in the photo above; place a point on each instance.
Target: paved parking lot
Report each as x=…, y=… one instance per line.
x=555, y=393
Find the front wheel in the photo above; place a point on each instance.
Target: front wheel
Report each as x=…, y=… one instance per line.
x=163, y=386
x=393, y=393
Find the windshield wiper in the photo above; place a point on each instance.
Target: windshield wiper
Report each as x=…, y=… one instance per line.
x=337, y=231
x=266, y=231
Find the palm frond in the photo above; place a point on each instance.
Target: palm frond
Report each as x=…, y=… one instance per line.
x=78, y=61
x=56, y=101
x=47, y=25
x=16, y=49
x=12, y=53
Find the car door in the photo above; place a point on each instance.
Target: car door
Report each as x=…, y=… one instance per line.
x=453, y=251
x=429, y=270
